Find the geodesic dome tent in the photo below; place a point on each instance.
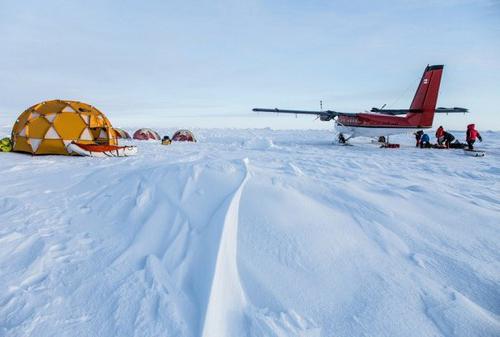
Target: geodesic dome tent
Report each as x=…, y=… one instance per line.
x=120, y=133
x=183, y=136
x=146, y=134
x=49, y=127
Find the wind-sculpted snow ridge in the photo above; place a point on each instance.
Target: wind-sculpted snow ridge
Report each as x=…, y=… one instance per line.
x=256, y=233
x=226, y=300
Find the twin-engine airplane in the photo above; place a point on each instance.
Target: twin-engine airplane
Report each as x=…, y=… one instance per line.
x=386, y=122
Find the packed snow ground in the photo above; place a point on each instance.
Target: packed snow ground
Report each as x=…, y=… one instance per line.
x=252, y=233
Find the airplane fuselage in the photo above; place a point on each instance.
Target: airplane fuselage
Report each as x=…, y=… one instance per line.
x=375, y=125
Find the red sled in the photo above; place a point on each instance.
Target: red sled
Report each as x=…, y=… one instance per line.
x=95, y=150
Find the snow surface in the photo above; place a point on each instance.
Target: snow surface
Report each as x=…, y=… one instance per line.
x=252, y=233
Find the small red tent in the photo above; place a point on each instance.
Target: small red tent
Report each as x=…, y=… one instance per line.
x=183, y=136
x=120, y=133
x=146, y=134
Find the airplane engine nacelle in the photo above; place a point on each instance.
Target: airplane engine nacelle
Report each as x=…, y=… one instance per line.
x=325, y=118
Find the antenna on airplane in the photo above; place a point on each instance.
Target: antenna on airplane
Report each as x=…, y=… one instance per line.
x=320, y=107
x=383, y=106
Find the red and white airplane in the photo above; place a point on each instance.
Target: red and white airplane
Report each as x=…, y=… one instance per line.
x=386, y=122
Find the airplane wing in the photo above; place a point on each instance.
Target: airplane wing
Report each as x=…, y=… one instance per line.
x=394, y=112
x=326, y=114
x=452, y=110
x=329, y=114
x=405, y=111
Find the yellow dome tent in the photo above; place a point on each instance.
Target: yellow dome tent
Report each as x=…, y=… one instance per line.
x=49, y=127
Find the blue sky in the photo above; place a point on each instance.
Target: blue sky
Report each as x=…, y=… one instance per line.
x=207, y=63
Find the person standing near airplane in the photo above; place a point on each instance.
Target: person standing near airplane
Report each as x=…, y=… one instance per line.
x=472, y=135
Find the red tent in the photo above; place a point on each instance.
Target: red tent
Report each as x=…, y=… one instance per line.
x=120, y=133
x=146, y=134
x=183, y=136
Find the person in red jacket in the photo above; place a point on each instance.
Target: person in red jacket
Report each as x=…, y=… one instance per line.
x=472, y=135
x=440, y=135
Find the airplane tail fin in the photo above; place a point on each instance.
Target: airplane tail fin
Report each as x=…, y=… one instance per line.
x=426, y=97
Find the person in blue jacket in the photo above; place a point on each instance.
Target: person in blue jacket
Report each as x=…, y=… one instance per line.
x=425, y=141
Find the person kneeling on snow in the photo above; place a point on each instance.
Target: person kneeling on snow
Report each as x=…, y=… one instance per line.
x=448, y=138
x=418, y=136
x=440, y=135
x=425, y=141
x=472, y=135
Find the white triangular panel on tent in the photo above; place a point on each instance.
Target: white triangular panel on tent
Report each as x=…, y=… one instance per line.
x=86, y=135
x=86, y=118
x=103, y=134
x=35, y=143
x=50, y=117
x=23, y=132
x=67, y=108
x=66, y=143
x=34, y=115
x=52, y=134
